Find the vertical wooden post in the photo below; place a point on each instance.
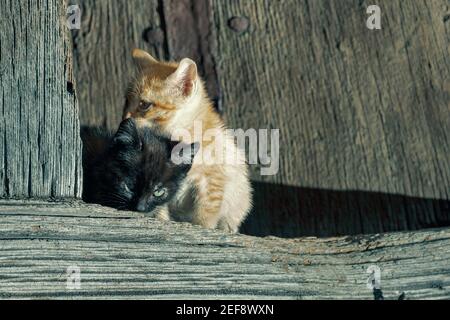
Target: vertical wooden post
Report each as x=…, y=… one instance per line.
x=40, y=146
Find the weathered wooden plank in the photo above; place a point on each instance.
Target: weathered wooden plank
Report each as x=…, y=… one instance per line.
x=102, y=54
x=363, y=113
x=126, y=255
x=39, y=129
x=357, y=109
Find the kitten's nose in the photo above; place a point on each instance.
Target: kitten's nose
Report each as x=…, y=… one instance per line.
x=142, y=205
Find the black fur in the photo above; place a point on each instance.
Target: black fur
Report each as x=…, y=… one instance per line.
x=128, y=170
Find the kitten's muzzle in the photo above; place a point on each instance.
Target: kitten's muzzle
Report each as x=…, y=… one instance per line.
x=142, y=205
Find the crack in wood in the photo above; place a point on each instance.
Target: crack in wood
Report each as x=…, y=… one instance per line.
x=190, y=33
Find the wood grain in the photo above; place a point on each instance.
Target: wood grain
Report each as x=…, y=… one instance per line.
x=128, y=256
x=102, y=54
x=40, y=146
x=357, y=109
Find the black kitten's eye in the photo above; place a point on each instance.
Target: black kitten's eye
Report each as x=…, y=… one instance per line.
x=144, y=105
x=160, y=191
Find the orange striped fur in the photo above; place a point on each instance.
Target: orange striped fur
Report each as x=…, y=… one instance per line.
x=215, y=195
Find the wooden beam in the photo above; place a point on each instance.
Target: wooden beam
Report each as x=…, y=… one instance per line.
x=358, y=109
x=126, y=255
x=40, y=146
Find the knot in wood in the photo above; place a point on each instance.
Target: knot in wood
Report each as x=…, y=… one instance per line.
x=239, y=24
x=154, y=36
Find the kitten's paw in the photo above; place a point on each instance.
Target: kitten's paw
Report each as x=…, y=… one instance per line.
x=161, y=213
x=227, y=227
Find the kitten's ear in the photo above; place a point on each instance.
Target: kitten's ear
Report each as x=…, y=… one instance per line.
x=143, y=59
x=184, y=78
x=127, y=134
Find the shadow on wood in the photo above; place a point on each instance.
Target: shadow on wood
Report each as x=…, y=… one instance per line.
x=288, y=211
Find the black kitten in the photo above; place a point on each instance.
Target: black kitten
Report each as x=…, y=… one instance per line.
x=132, y=170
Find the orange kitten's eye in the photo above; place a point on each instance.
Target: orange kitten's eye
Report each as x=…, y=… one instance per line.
x=144, y=105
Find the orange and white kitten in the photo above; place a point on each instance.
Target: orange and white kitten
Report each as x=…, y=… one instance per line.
x=171, y=96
